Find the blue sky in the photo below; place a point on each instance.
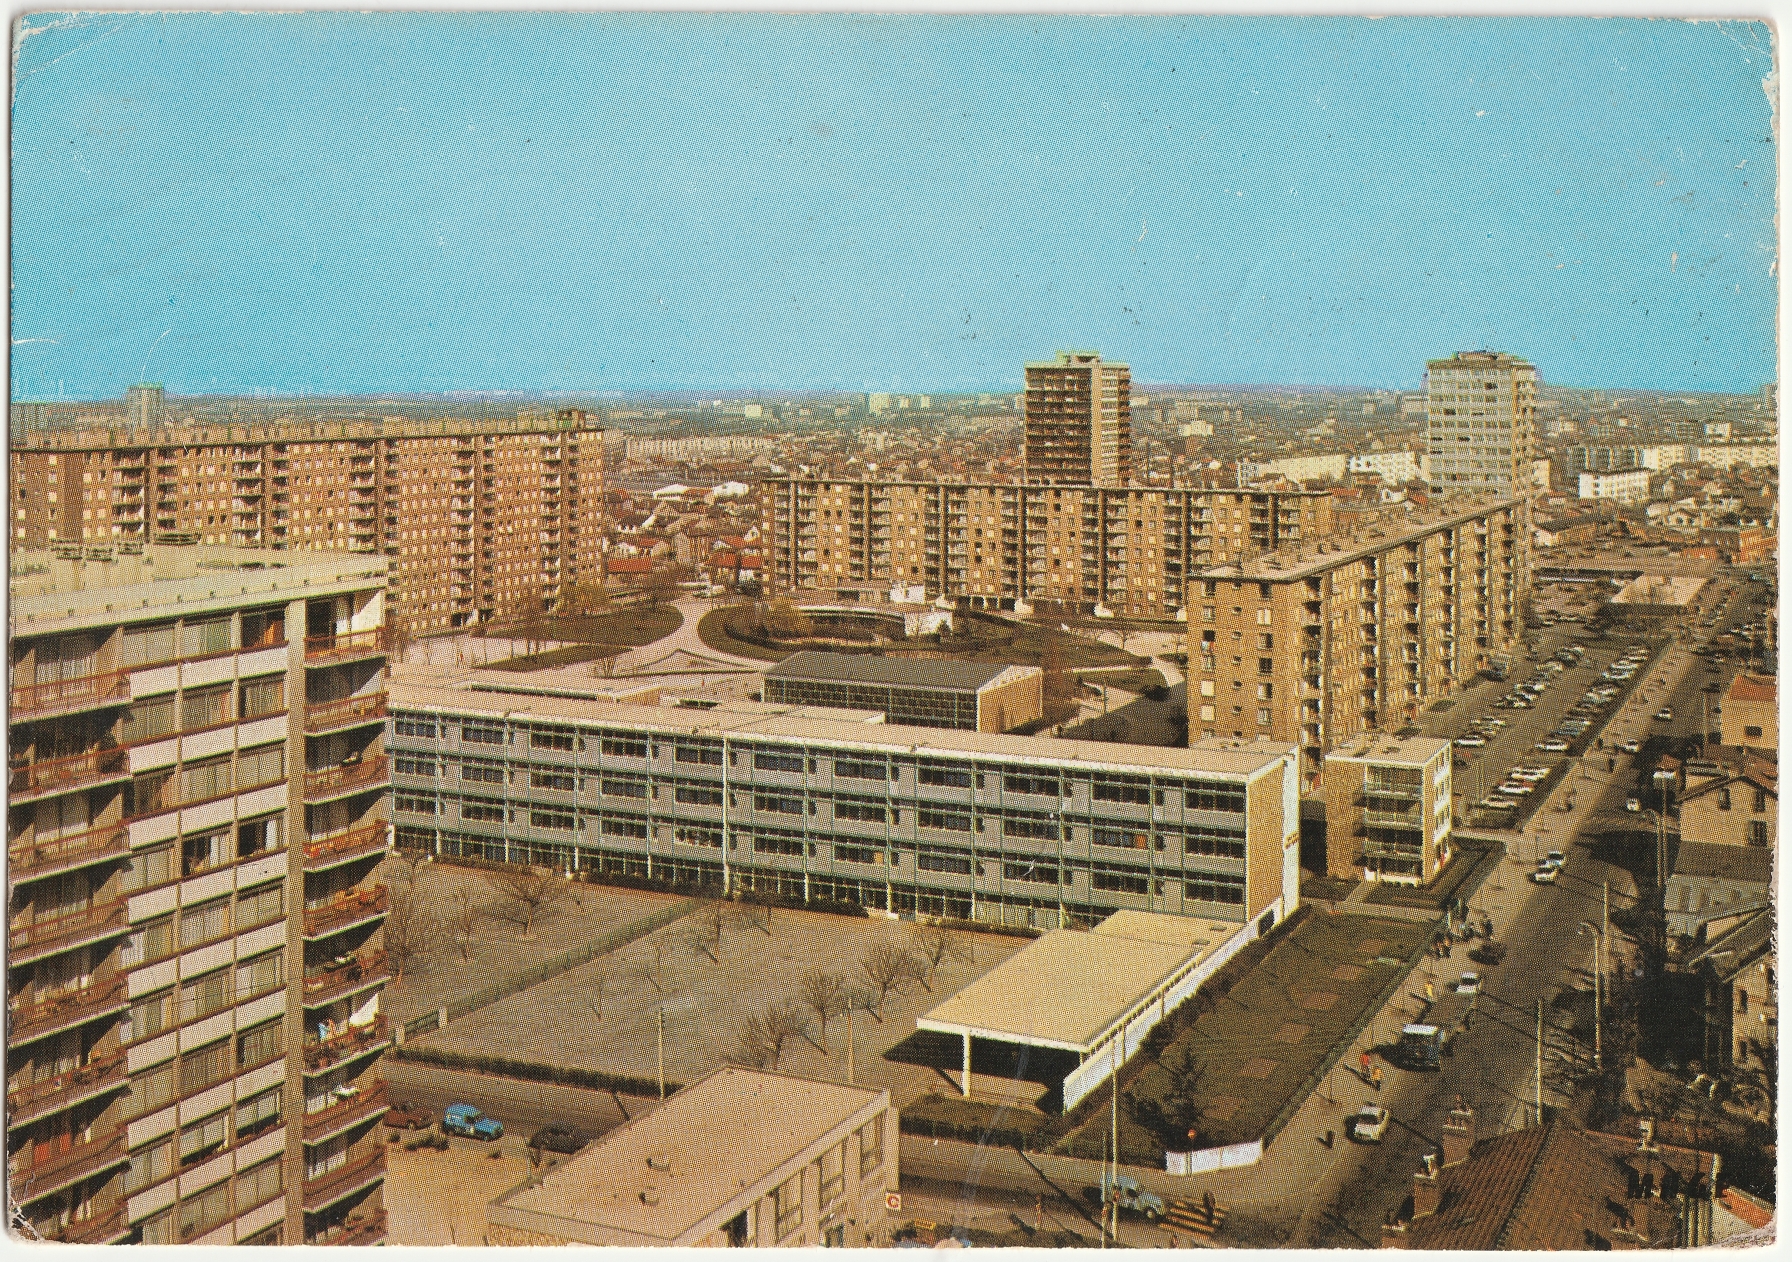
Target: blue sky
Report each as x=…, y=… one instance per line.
x=339, y=202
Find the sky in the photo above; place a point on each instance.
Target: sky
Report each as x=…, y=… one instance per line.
x=406, y=202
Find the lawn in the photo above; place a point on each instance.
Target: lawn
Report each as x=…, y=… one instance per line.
x=1130, y=679
x=1461, y=877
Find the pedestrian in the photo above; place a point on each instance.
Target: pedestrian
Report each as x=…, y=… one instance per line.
x=1207, y=1206
x=1038, y=1212
x=1430, y=992
x=1375, y=1077
x=1365, y=1061
x=1173, y=1243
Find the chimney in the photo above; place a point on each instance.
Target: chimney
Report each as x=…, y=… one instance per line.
x=1459, y=1135
x=1426, y=1195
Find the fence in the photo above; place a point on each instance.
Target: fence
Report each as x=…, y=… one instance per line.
x=1205, y=1160
x=541, y=972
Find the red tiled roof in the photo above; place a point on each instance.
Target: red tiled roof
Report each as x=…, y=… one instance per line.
x=1746, y=1208
x=629, y=565
x=1752, y=688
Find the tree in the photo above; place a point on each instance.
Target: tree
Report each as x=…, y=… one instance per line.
x=526, y=894
x=703, y=931
x=464, y=917
x=824, y=994
x=764, y=1034
x=658, y=587
x=933, y=945
x=408, y=862
x=410, y=929
x=582, y=598
x=784, y=621
x=888, y=967
x=1174, y=1115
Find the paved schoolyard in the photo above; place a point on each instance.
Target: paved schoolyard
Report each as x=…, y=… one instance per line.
x=498, y=948
x=568, y=1020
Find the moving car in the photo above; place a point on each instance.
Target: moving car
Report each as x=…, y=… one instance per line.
x=1555, y=859
x=557, y=1138
x=465, y=1120
x=1368, y=1125
x=1544, y=875
x=1469, y=984
x=1632, y=746
x=1665, y=714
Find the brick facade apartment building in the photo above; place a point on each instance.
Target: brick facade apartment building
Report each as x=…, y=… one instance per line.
x=479, y=520
x=196, y=801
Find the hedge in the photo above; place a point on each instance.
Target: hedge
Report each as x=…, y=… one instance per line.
x=530, y=1070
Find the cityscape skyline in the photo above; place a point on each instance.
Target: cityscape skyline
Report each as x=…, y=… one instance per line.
x=758, y=202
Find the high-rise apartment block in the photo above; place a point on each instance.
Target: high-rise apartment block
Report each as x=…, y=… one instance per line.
x=195, y=808
x=1079, y=421
x=1481, y=409
x=1358, y=634
x=480, y=521
x=991, y=545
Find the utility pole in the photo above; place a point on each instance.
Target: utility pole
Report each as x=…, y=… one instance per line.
x=849, y=1064
x=1599, y=1007
x=662, y=1054
x=1539, y=1062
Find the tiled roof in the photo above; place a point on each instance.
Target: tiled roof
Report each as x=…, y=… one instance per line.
x=1752, y=688
x=1717, y=861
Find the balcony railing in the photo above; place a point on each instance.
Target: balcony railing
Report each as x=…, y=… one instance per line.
x=325, y=648
x=336, y=847
x=344, y=910
x=59, y=775
x=326, y=1053
x=44, y=936
x=58, y=854
x=322, y=716
x=334, y=1184
x=42, y=1016
x=364, y=1230
x=61, y=696
x=103, y=1228
x=347, y=1111
x=34, y=1179
x=30, y=1100
x=327, y=984
x=334, y=781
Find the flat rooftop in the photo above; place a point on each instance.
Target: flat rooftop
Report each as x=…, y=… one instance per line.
x=1068, y=988
x=52, y=592
x=1410, y=751
x=707, y=1145
x=1670, y=590
x=901, y=672
x=1366, y=540
x=818, y=725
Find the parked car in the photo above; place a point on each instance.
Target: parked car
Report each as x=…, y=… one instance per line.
x=1368, y=1125
x=1633, y=805
x=1665, y=714
x=408, y=1117
x=1468, y=984
x=1488, y=953
x=1555, y=859
x=1544, y=875
x=1497, y=804
x=557, y=1138
x=1129, y=1194
x=1554, y=745
x=1515, y=788
x=467, y=1121
x=1471, y=742
x=1631, y=746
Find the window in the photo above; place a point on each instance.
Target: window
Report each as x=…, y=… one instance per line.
x=201, y=996
x=413, y=804
x=1751, y=730
x=150, y=1165
x=1206, y=613
x=487, y=812
x=200, y=1213
x=791, y=763
x=261, y=974
x=147, y=720
x=1043, y=873
x=1120, y=880
x=261, y=1044
x=1214, y=888
x=1211, y=795
x=1044, y=827
x=1760, y=801
x=787, y=1206
x=1265, y=666
x=203, y=1138
x=624, y=749
x=145, y=646
x=616, y=787
x=869, y=812
x=778, y=843
x=259, y=1111
x=264, y=629
x=621, y=826
x=1116, y=789
x=551, y=740
x=150, y=1015
x=201, y=1068
x=415, y=727
x=263, y=696
x=199, y=854
x=550, y=780
x=259, y=1183
x=204, y=707
x=1757, y=832
x=265, y=764
x=871, y=1145
x=1263, y=616
x=1723, y=798
x=551, y=819
x=777, y=805
x=414, y=766
x=946, y=821
x=943, y=861
x=831, y=1169
x=204, y=922
x=202, y=781
x=482, y=735
x=697, y=795
x=705, y=755
x=260, y=905
x=858, y=854
x=149, y=868
x=200, y=638
x=945, y=777
x=157, y=1229
x=852, y=770
x=1120, y=838
x=1041, y=786
x=708, y=837
x=482, y=772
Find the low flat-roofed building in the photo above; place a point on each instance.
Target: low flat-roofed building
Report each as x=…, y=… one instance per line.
x=1660, y=594
x=972, y=696
x=1089, y=996
x=740, y=1158
x=1388, y=809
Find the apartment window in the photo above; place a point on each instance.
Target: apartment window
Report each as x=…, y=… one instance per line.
x=149, y=1015
x=550, y=819
x=149, y=868
x=263, y=696
x=201, y=854
x=259, y=1111
x=1039, y=786
x=1213, y=888
x=953, y=862
x=200, y=638
x=831, y=1169
x=147, y=720
x=414, y=727
x=697, y=795
x=1265, y=666
x=1723, y=799
x=708, y=837
x=1118, y=789
x=787, y=1206
x=624, y=749
x=550, y=780
x=867, y=812
x=623, y=788
x=149, y=1165
x=1263, y=617
x=791, y=764
x=202, y=781
x=482, y=773
x=1757, y=832
x=1262, y=714
x=204, y=707
x=260, y=905
x=414, y=766
x=551, y=740
x=1751, y=731
x=1760, y=801
x=846, y=770
x=1039, y=873
x=413, y=805
x=623, y=827
x=145, y=646
x=203, y=1138
x=946, y=821
x=201, y=996
x=264, y=629
x=1214, y=796
x=202, y=1212
x=1206, y=613
x=261, y=974
x=261, y=1044
x=199, y=1069
x=482, y=735
x=871, y=1145
x=945, y=777
x=259, y=1183
x=1039, y=827
x=204, y=922
x=150, y=941
x=705, y=755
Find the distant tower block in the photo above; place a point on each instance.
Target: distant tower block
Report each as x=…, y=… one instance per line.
x=1079, y=421
x=144, y=402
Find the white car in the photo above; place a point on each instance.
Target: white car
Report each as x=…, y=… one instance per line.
x=1633, y=805
x=1471, y=742
x=1515, y=788
x=1554, y=745
x=1554, y=859
x=1528, y=776
x=1544, y=876
x=1497, y=804
x=1665, y=714
x=1632, y=746
x=1369, y=1125
x=1469, y=984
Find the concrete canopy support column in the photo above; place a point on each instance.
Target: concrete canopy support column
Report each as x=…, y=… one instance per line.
x=967, y=1064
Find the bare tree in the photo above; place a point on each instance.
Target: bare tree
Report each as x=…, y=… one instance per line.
x=887, y=967
x=464, y=917
x=764, y=1034
x=703, y=930
x=652, y=971
x=824, y=994
x=597, y=994
x=408, y=862
x=410, y=929
x=748, y=914
x=933, y=945
x=526, y=894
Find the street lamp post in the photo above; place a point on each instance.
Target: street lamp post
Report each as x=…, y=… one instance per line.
x=1598, y=994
